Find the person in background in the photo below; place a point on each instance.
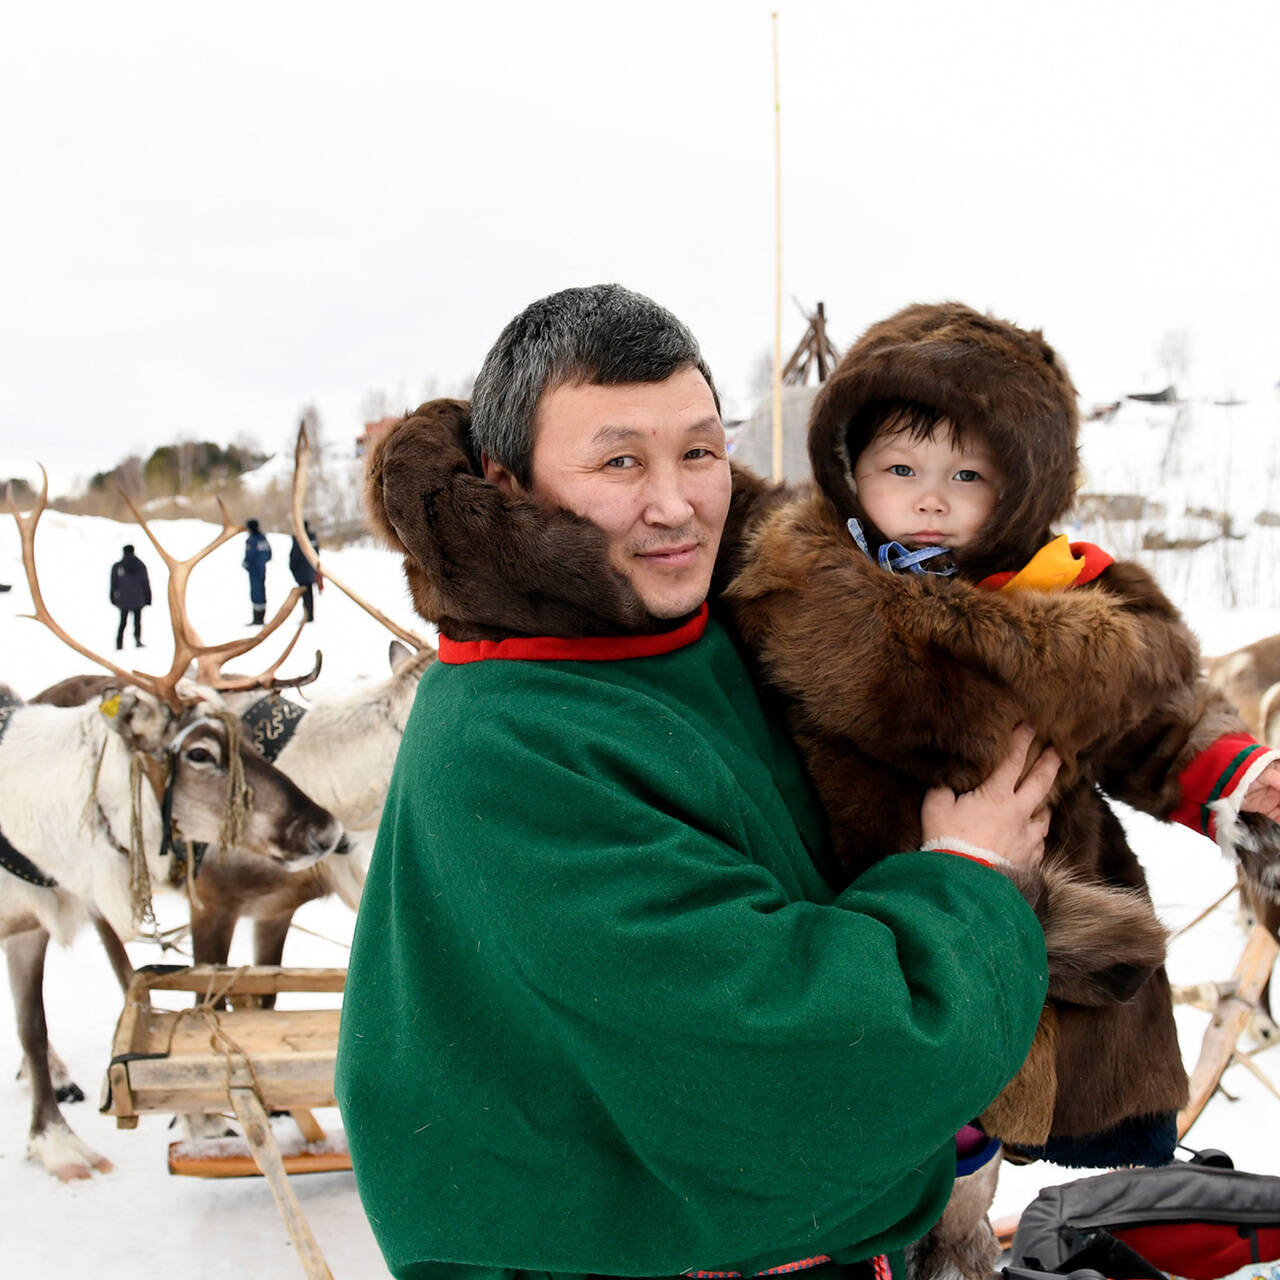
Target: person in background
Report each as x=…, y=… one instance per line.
x=130, y=593
x=305, y=574
x=257, y=551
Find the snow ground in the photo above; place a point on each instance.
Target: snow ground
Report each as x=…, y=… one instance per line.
x=138, y=1220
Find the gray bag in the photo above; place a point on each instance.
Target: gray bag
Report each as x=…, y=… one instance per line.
x=1201, y=1219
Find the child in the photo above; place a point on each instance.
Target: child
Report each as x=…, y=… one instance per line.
x=945, y=444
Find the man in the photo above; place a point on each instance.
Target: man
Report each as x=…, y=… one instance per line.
x=257, y=551
x=304, y=573
x=130, y=593
x=604, y=1013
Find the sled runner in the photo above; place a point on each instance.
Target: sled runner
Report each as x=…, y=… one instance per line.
x=207, y=1058
x=1233, y=1003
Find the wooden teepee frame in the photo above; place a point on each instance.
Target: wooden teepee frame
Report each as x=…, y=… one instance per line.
x=815, y=351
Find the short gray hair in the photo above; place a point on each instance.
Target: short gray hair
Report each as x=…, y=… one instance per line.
x=602, y=334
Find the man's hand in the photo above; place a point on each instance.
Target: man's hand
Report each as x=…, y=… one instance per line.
x=1263, y=795
x=1007, y=817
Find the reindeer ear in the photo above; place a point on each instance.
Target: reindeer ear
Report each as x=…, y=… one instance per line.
x=139, y=718
x=397, y=655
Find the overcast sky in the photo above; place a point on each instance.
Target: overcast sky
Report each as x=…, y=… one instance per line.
x=214, y=214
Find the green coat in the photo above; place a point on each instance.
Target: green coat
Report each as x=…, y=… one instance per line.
x=604, y=1014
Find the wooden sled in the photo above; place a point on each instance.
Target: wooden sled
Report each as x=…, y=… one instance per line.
x=1233, y=1003
x=208, y=1058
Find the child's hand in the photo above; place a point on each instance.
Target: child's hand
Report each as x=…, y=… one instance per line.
x=1004, y=816
x=1264, y=795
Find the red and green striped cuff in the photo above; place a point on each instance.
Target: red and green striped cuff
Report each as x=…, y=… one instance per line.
x=1213, y=774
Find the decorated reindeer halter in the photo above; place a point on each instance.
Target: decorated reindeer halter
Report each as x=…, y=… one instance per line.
x=269, y=724
x=897, y=558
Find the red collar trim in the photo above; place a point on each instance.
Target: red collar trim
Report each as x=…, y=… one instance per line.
x=565, y=649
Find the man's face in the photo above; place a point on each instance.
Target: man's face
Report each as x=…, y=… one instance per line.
x=929, y=492
x=645, y=462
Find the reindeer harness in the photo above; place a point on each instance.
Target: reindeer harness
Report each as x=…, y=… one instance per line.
x=270, y=723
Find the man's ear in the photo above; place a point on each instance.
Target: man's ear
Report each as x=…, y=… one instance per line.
x=500, y=477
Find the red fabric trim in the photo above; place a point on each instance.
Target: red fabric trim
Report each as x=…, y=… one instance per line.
x=972, y=857
x=786, y=1269
x=568, y=649
x=1095, y=561
x=1212, y=771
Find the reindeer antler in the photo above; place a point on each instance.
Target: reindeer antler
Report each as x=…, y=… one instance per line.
x=27, y=532
x=209, y=658
x=301, y=453
x=187, y=645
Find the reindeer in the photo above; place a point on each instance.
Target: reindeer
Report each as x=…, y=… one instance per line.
x=340, y=751
x=1250, y=677
x=95, y=795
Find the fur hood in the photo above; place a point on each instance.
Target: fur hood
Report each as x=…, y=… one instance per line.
x=483, y=565
x=1005, y=384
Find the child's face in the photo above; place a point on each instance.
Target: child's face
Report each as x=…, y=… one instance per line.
x=931, y=492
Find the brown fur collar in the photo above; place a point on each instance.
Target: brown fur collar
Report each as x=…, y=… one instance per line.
x=483, y=565
x=1004, y=384
x=480, y=564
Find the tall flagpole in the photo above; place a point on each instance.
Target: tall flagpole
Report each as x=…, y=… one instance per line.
x=777, y=234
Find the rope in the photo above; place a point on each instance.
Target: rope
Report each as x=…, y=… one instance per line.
x=1212, y=907
x=91, y=806
x=139, y=875
x=235, y=816
x=219, y=1039
x=302, y=928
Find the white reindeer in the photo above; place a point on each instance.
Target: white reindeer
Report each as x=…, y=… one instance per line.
x=93, y=794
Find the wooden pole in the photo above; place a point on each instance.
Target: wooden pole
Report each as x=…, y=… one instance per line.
x=777, y=232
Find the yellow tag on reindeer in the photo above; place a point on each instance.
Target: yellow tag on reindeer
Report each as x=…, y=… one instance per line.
x=110, y=707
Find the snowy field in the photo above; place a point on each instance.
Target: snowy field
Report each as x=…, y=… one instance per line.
x=140, y=1221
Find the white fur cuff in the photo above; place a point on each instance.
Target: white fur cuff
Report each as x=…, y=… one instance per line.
x=951, y=844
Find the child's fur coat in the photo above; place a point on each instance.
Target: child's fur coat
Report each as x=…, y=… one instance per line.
x=892, y=688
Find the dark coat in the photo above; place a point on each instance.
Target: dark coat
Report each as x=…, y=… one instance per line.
x=257, y=551
x=130, y=584
x=301, y=568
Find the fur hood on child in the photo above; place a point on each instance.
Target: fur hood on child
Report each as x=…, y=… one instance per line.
x=1006, y=383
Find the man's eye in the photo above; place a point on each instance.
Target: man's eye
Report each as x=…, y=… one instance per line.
x=623, y=463
x=967, y=475
x=699, y=452
x=900, y=469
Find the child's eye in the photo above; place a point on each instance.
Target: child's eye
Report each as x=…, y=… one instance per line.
x=967, y=475
x=900, y=469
